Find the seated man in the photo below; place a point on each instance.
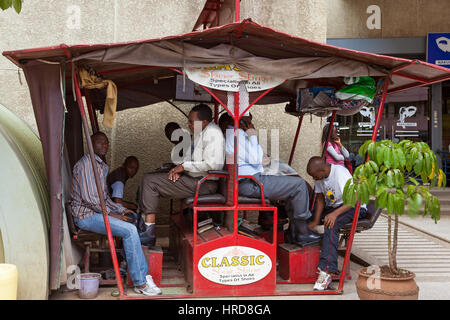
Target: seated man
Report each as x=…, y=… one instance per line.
x=330, y=181
x=118, y=178
x=87, y=214
x=206, y=154
x=292, y=189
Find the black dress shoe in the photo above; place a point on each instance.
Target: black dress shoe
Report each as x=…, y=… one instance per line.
x=307, y=239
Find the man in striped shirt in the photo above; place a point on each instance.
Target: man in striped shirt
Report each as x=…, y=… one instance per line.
x=87, y=214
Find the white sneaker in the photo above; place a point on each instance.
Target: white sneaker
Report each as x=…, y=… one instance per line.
x=147, y=291
x=323, y=281
x=152, y=285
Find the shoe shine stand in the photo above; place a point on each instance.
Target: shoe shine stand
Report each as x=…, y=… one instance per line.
x=225, y=262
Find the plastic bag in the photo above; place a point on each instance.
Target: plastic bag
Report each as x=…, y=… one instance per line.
x=358, y=88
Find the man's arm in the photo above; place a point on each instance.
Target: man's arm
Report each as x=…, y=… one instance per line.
x=320, y=205
x=117, y=195
x=330, y=218
x=126, y=204
x=334, y=154
x=213, y=154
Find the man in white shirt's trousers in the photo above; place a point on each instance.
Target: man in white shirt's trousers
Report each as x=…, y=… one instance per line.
x=207, y=152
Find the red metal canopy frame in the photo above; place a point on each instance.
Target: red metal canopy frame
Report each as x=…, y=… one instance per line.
x=413, y=73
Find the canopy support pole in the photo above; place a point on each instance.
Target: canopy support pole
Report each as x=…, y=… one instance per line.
x=291, y=157
x=98, y=186
x=92, y=114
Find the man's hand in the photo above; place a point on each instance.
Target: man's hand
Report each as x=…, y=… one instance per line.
x=312, y=225
x=175, y=173
x=127, y=211
x=329, y=220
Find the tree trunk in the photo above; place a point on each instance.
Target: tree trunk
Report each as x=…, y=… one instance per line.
x=390, y=240
x=393, y=267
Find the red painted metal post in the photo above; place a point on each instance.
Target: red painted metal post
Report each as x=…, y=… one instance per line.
x=237, y=10
x=291, y=157
x=236, y=164
x=92, y=114
x=98, y=185
x=356, y=214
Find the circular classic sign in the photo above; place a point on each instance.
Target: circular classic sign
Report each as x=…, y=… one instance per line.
x=235, y=265
x=227, y=78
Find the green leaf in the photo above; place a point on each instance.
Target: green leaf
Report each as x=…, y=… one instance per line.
x=387, y=157
x=363, y=149
x=383, y=200
x=399, y=179
x=365, y=193
x=390, y=203
x=346, y=194
x=5, y=4
x=374, y=166
x=380, y=155
x=428, y=163
x=372, y=184
x=436, y=209
x=413, y=181
x=410, y=190
x=380, y=191
x=394, y=159
x=372, y=150
x=18, y=5
x=390, y=179
x=418, y=167
x=401, y=157
x=414, y=204
x=399, y=203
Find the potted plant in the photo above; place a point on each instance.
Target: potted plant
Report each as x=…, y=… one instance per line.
x=399, y=176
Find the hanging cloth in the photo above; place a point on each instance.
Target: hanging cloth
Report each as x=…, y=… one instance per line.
x=91, y=80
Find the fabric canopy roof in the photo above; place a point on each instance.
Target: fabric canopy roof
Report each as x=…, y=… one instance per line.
x=134, y=66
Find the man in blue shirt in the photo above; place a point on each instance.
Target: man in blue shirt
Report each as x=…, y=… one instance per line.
x=118, y=178
x=292, y=189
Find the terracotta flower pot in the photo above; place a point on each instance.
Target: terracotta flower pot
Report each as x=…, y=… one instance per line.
x=368, y=287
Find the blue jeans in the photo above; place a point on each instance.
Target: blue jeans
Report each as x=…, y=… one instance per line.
x=329, y=253
x=131, y=243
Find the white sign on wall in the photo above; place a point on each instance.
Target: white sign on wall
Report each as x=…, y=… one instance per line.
x=227, y=78
x=235, y=265
x=406, y=112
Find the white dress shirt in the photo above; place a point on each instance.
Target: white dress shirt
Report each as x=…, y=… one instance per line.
x=208, y=153
x=249, y=151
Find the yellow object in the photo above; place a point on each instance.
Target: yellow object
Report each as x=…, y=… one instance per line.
x=89, y=80
x=8, y=282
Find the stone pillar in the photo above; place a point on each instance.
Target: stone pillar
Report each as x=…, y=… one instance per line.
x=436, y=118
x=302, y=18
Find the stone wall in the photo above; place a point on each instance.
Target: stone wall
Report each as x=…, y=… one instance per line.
x=399, y=18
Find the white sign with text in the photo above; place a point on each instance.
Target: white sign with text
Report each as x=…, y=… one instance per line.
x=235, y=265
x=227, y=78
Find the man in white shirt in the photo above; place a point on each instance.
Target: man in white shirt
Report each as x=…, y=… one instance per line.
x=330, y=180
x=291, y=189
x=207, y=153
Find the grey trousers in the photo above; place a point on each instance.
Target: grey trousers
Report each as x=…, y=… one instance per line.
x=291, y=189
x=156, y=185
